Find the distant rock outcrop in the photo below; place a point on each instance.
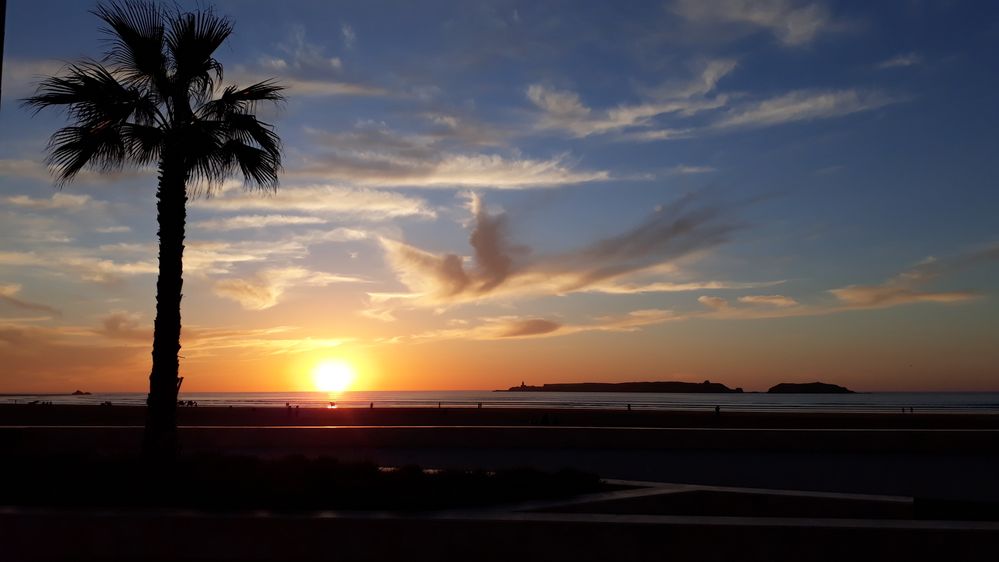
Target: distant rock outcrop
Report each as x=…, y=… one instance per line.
x=80, y=393
x=808, y=388
x=660, y=386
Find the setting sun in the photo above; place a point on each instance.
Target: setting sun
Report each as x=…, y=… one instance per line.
x=333, y=376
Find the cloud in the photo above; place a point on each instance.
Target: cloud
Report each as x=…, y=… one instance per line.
x=114, y=229
x=779, y=301
x=265, y=288
x=499, y=268
x=123, y=325
x=373, y=155
x=8, y=296
x=21, y=76
x=717, y=303
x=200, y=342
x=305, y=69
x=529, y=327
x=904, y=288
x=792, y=23
x=564, y=110
x=349, y=36
x=901, y=61
x=513, y=327
x=36, y=170
x=685, y=170
x=58, y=201
x=301, y=55
x=620, y=288
x=243, y=222
x=81, y=262
x=803, y=105
x=357, y=203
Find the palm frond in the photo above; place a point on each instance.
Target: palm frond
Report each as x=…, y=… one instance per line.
x=241, y=100
x=91, y=94
x=143, y=143
x=73, y=148
x=259, y=167
x=135, y=32
x=191, y=39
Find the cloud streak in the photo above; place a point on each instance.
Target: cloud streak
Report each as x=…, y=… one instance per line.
x=357, y=203
x=793, y=23
x=8, y=296
x=265, y=288
x=372, y=155
x=499, y=268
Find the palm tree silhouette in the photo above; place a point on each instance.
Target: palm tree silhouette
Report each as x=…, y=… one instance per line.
x=156, y=97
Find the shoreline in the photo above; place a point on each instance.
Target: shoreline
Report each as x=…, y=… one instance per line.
x=84, y=415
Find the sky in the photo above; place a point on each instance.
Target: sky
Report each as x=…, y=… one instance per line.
x=476, y=194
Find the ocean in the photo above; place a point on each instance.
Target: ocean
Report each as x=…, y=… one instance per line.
x=954, y=402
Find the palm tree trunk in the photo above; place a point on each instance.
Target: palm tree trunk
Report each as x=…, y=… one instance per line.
x=160, y=440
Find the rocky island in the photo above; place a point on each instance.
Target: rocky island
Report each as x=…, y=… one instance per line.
x=657, y=386
x=808, y=388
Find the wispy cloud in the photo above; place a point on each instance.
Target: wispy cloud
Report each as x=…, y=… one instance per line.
x=500, y=268
x=803, y=105
x=358, y=203
x=687, y=170
x=792, y=22
x=779, y=301
x=907, y=287
x=36, y=170
x=265, y=288
x=515, y=327
x=373, y=155
x=57, y=201
x=243, y=222
x=901, y=61
x=564, y=110
x=8, y=296
x=349, y=35
x=305, y=69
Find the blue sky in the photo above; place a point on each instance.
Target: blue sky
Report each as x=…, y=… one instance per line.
x=748, y=191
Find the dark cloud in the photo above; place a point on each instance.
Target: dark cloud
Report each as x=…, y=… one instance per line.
x=529, y=327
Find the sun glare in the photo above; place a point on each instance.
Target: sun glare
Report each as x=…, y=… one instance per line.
x=333, y=376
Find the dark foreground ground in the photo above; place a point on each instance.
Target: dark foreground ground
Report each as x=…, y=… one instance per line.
x=947, y=461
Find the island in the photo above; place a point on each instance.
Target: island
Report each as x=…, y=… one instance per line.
x=808, y=388
x=80, y=393
x=657, y=386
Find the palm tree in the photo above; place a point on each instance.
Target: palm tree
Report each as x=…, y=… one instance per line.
x=155, y=97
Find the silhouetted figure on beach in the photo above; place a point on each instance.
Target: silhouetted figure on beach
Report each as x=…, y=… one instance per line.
x=480, y=405
x=717, y=411
x=371, y=406
x=629, y=407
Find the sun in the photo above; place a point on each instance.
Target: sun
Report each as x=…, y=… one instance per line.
x=333, y=376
